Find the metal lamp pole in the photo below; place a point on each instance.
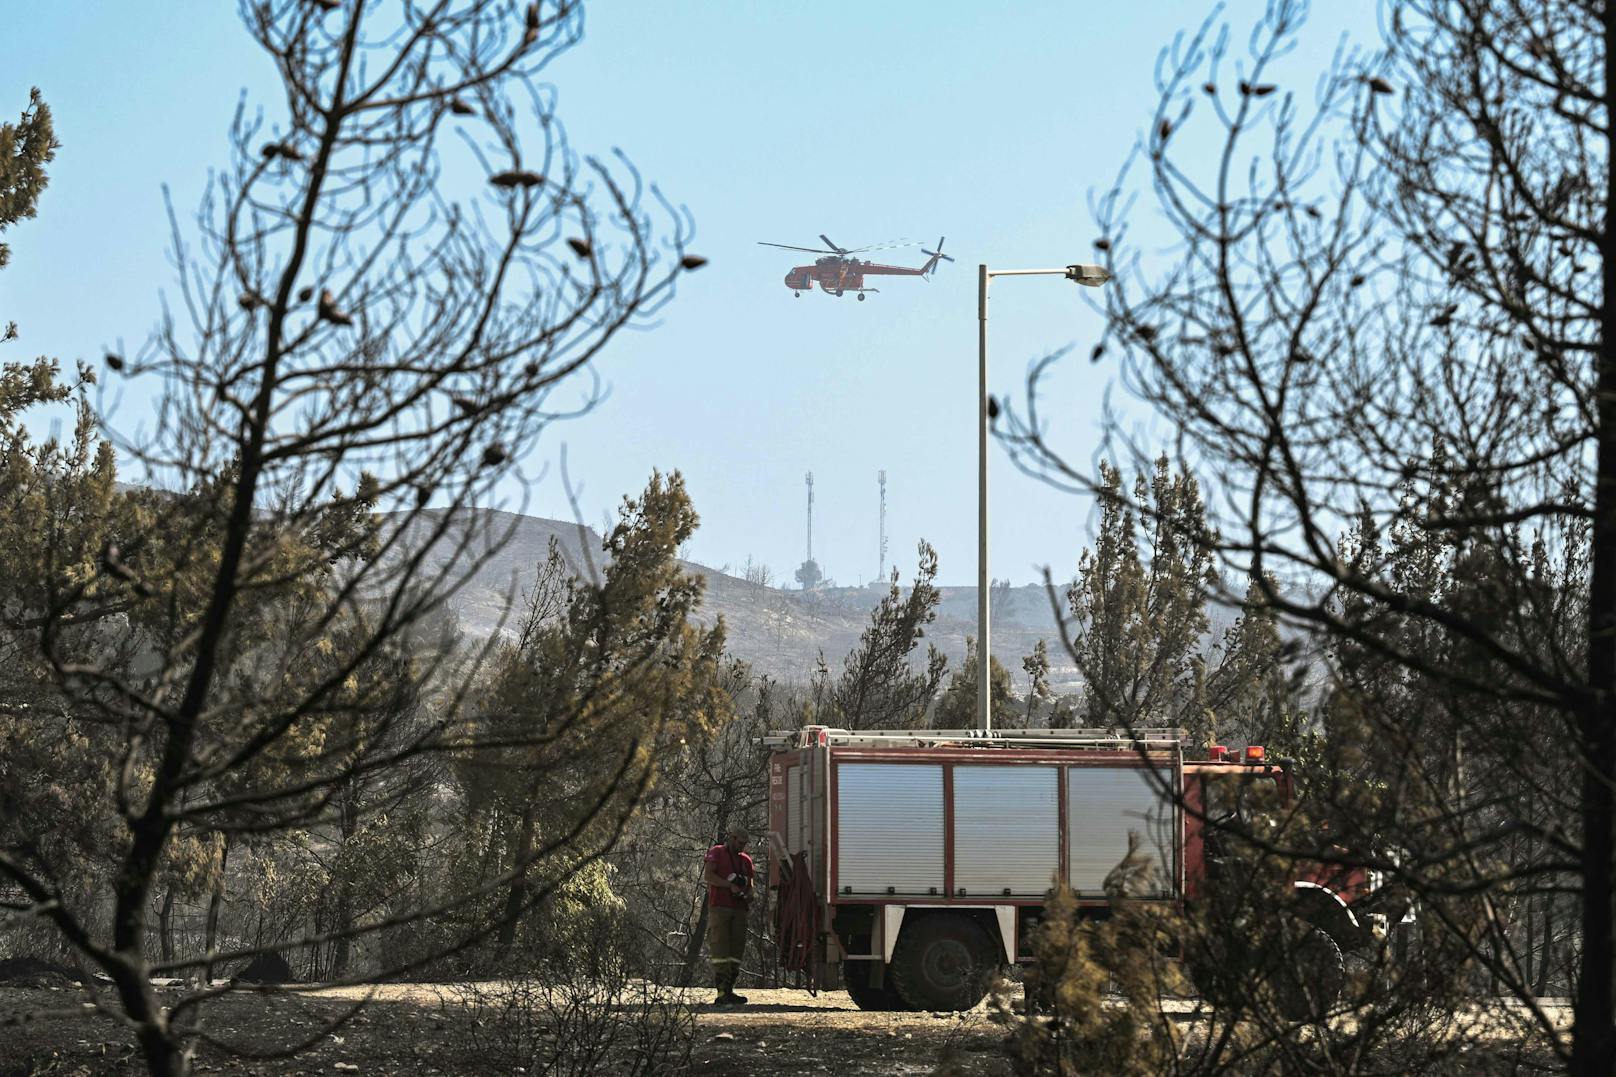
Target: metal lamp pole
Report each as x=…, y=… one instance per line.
x=1092, y=276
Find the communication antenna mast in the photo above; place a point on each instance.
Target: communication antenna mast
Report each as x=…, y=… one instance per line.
x=810, y=478
x=881, y=574
x=809, y=574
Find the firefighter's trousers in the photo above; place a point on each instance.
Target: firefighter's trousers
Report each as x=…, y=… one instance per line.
x=726, y=940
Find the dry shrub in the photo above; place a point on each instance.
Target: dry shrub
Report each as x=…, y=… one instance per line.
x=574, y=1018
x=1071, y=1026
x=1096, y=987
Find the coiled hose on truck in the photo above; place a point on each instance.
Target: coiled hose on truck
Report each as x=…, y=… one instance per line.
x=796, y=919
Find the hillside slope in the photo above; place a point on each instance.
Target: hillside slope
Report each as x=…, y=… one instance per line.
x=780, y=632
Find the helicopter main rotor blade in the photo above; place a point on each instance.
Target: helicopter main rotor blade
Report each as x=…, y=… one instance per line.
x=788, y=247
x=890, y=244
x=831, y=243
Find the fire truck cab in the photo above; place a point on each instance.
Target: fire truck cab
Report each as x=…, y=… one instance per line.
x=905, y=863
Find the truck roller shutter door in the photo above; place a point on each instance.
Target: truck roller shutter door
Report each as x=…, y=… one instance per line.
x=1006, y=830
x=890, y=829
x=1103, y=805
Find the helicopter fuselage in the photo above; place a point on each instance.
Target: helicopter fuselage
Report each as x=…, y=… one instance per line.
x=840, y=276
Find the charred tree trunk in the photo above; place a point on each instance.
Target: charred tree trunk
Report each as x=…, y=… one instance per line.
x=516, y=895
x=1594, y=1031
x=165, y=925
x=698, y=934
x=1595, y=1023
x=1545, y=969
x=342, y=945
x=163, y=1055
x=215, y=904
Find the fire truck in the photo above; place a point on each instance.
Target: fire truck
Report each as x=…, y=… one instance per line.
x=905, y=863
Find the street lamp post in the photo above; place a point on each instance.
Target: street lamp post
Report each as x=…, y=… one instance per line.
x=1091, y=276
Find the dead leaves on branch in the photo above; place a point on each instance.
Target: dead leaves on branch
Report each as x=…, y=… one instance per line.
x=281, y=150
x=329, y=311
x=513, y=178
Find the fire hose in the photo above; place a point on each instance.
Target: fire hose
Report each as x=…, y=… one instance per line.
x=796, y=919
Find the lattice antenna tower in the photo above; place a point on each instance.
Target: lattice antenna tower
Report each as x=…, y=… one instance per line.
x=810, y=480
x=809, y=575
x=881, y=573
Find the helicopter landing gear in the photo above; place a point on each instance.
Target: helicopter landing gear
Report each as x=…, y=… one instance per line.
x=861, y=297
x=797, y=294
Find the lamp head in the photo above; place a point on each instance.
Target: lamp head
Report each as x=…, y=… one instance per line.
x=1091, y=276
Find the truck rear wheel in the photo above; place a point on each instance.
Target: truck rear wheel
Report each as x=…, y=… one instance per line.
x=943, y=962
x=1310, y=976
x=1300, y=962
x=856, y=978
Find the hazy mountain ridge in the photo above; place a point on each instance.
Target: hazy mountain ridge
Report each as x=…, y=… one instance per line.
x=780, y=632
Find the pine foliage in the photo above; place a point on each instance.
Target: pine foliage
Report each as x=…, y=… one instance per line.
x=1072, y=1025
x=26, y=147
x=879, y=687
x=957, y=706
x=1137, y=619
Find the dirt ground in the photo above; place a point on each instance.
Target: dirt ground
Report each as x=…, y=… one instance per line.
x=55, y=1027
x=412, y=1029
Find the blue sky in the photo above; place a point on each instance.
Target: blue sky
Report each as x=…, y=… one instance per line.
x=991, y=124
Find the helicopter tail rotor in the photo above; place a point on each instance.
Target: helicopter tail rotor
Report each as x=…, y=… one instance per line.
x=934, y=257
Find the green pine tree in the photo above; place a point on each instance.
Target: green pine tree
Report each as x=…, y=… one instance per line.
x=600, y=678
x=1138, y=617
x=957, y=706
x=26, y=147
x=1036, y=667
x=879, y=688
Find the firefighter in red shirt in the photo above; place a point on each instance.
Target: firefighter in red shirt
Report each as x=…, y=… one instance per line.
x=729, y=875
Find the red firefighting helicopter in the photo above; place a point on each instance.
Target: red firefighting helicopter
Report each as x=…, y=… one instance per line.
x=839, y=272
